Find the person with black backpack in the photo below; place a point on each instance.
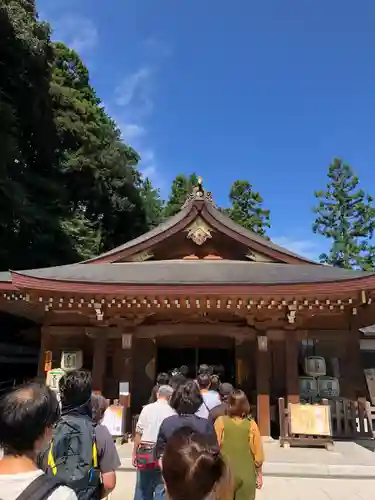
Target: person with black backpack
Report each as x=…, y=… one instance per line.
x=27, y=416
x=80, y=453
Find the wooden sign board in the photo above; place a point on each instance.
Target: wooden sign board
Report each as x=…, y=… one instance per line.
x=310, y=420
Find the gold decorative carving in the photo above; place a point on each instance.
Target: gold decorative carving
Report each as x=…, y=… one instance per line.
x=199, y=231
x=142, y=256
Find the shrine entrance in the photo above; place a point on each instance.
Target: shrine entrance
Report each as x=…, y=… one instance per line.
x=221, y=357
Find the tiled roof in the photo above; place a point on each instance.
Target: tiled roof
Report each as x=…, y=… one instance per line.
x=195, y=272
x=5, y=277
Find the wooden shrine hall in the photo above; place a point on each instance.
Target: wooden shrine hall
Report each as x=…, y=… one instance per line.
x=199, y=289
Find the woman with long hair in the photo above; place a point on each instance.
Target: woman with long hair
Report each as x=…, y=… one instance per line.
x=241, y=445
x=193, y=470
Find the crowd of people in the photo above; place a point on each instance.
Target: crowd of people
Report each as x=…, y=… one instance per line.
x=195, y=439
x=56, y=450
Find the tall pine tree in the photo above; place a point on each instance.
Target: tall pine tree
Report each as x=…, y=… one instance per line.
x=153, y=204
x=182, y=186
x=346, y=216
x=247, y=208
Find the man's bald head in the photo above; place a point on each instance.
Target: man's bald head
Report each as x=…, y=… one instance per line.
x=25, y=415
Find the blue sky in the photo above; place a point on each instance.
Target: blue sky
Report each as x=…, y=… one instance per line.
x=268, y=91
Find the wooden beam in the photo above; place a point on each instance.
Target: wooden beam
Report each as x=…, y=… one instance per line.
x=291, y=368
x=99, y=362
x=194, y=329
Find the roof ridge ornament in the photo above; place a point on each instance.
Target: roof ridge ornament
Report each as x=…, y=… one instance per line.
x=199, y=193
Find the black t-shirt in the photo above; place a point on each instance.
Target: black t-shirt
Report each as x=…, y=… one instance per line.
x=175, y=422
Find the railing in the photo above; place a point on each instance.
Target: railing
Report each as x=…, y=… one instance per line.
x=350, y=419
x=370, y=411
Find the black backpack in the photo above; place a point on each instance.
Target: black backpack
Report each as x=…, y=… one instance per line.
x=73, y=456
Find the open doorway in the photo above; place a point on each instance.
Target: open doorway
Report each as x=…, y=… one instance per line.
x=221, y=359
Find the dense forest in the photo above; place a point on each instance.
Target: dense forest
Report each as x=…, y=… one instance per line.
x=70, y=187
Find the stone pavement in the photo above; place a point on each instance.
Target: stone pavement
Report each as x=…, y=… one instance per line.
x=347, y=460
x=282, y=488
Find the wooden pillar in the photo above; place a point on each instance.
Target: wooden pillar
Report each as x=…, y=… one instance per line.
x=245, y=369
x=143, y=371
x=291, y=367
x=99, y=361
x=128, y=376
x=45, y=345
x=354, y=384
x=263, y=385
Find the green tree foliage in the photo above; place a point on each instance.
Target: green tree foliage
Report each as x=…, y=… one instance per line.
x=98, y=168
x=29, y=178
x=152, y=202
x=247, y=208
x=346, y=217
x=69, y=187
x=182, y=186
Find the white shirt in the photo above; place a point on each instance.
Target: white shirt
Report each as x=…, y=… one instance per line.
x=151, y=418
x=12, y=485
x=211, y=399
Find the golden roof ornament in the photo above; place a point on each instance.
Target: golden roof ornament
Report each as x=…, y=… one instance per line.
x=199, y=193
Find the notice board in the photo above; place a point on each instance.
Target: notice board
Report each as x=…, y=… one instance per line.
x=310, y=420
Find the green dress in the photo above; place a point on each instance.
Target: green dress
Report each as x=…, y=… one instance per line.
x=235, y=449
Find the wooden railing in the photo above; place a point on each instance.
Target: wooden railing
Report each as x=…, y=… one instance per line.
x=350, y=419
x=370, y=411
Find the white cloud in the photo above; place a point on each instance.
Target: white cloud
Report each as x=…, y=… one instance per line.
x=78, y=32
x=131, y=131
x=133, y=105
x=149, y=168
x=135, y=92
x=304, y=247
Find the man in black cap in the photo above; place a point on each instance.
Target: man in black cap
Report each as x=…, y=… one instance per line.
x=225, y=391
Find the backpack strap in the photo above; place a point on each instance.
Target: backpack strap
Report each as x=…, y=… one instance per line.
x=95, y=461
x=40, y=489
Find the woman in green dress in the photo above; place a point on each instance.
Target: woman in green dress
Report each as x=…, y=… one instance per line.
x=241, y=445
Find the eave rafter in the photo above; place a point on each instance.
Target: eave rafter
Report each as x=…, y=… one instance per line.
x=114, y=304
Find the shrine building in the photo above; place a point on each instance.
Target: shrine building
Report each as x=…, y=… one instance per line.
x=199, y=289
